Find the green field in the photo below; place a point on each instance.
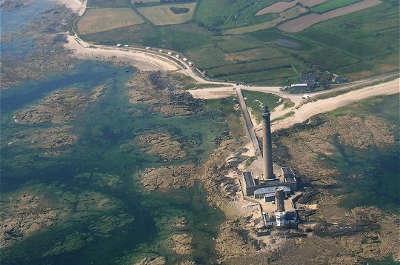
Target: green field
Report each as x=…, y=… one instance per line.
x=223, y=14
x=357, y=45
x=256, y=101
x=104, y=19
x=164, y=15
x=333, y=4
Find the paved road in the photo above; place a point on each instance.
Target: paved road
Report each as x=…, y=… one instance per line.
x=248, y=122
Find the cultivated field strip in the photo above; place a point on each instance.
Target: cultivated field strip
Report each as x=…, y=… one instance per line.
x=163, y=15
x=104, y=19
x=303, y=22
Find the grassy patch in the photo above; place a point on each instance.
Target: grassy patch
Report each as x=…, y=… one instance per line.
x=226, y=106
x=273, y=76
x=255, y=27
x=290, y=113
x=254, y=54
x=165, y=14
x=229, y=44
x=250, y=67
x=104, y=19
x=162, y=37
x=287, y=103
x=256, y=101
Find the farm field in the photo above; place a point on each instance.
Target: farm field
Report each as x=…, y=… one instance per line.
x=330, y=5
x=255, y=27
x=104, y=19
x=311, y=3
x=256, y=50
x=168, y=14
x=276, y=8
x=225, y=14
x=108, y=3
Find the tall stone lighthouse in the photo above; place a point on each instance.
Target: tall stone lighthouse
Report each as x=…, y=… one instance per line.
x=267, y=145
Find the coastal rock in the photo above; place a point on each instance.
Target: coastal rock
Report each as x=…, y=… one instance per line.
x=23, y=215
x=9, y=5
x=59, y=107
x=168, y=177
x=180, y=223
x=162, y=95
x=47, y=55
x=160, y=144
x=152, y=261
x=230, y=243
x=52, y=141
x=181, y=244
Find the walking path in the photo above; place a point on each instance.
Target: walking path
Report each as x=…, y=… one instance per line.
x=248, y=123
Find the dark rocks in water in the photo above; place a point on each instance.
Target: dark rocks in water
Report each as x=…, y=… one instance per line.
x=12, y=233
x=152, y=261
x=9, y=5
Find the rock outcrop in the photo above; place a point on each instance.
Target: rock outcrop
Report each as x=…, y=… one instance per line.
x=168, y=177
x=160, y=144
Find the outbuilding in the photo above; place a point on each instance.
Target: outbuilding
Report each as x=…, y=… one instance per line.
x=267, y=191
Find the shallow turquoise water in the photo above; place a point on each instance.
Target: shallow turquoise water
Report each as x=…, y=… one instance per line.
x=102, y=129
x=14, y=25
x=85, y=75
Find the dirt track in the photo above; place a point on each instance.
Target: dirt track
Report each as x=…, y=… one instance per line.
x=308, y=110
x=213, y=92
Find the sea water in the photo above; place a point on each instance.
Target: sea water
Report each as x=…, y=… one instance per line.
x=139, y=222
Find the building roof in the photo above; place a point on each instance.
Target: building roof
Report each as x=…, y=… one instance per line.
x=299, y=85
x=272, y=194
x=267, y=190
x=248, y=179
